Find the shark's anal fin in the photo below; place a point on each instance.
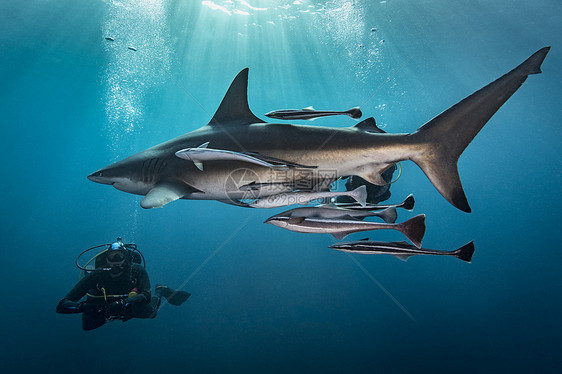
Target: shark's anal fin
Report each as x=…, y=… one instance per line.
x=166, y=192
x=234, y=108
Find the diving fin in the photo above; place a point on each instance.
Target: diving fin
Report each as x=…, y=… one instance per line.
x=174, y=297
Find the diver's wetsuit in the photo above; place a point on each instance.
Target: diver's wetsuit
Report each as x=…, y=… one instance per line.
x=95, y=284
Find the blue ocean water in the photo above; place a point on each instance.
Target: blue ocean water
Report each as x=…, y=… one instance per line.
x=266, y=299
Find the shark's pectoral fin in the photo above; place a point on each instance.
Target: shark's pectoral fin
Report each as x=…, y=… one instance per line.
x=166, y=192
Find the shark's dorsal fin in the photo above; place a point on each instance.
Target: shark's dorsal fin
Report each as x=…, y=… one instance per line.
x=369, y=125
x=234, y=109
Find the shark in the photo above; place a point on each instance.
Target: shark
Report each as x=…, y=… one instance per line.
x=329, y=153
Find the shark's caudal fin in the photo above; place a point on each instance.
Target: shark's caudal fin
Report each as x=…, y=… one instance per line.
x=234, y=108
x=441, y=141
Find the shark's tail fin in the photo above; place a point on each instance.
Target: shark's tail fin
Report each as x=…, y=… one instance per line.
x=413, y=229
x=441, y=141
x=465, y=252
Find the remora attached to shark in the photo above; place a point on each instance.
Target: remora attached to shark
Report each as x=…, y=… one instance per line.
x=435, y=147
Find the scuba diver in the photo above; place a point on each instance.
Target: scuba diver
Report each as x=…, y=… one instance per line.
x=117, y=287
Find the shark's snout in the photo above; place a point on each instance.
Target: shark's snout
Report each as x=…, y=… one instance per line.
x=99, y=177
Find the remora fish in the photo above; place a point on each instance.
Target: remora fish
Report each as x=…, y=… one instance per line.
x=388, y=215
x=310, y=113
x=202, y=153
x=401, y=250
x=290, y=198
x=413, y=228
x=435, y=147
x=407, y=204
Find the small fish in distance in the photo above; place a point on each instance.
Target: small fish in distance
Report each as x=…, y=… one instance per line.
x=310, y=113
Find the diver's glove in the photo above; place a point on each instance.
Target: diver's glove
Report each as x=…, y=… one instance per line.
x=67, y=306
